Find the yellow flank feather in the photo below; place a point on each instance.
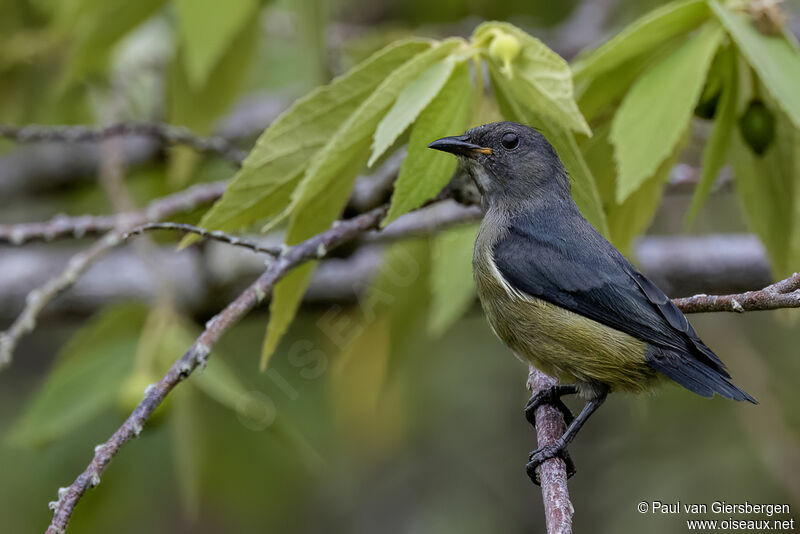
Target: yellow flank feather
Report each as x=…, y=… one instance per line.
x=561, y=343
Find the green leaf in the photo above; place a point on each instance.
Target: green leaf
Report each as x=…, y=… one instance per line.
x=409, y=104
x=96, y=26
x=207, y=28
x=629, y=219
x=331, y=174
x=658, y=108
x=263, y=186
x=584, y=189
x=717, y=146
x=764, y=187
x=401, y=292
x=322, y=194
x=199, y=107
x=540, y=80
x=85, y=378
x=188, y=448
x=642, y=37
x=774, y=58
x=424, y=172
x=452, y=286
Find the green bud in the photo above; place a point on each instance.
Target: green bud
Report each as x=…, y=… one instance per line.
x=757, y=126
x=504, y=48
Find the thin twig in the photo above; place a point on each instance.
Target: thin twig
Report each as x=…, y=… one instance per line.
x=198, y=353
x=783, y=294
x=168, y=134
x=39, y=298
x=62, y=226
x=215, y=235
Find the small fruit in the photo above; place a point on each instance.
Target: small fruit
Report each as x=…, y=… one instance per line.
x=707, y=107
x=757, y=126
x=505, y=48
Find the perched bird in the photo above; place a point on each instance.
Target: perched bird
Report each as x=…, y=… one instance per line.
x=560, y=295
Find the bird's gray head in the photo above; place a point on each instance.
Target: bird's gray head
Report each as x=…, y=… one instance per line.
x=509, y=162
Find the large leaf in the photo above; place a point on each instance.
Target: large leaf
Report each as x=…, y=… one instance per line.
x=724, y=123
x=452, y=287
x=541, y=79
x=424, y=172
x=584, y=189
x=658, y=108
x=85, y=378
x=321, y=196
x=401, y=292
x=774, y=58
x=207, y=27
x=629, y=219
x=764, y=187
x=642, y=37
x=263, y=186
x=409, y=104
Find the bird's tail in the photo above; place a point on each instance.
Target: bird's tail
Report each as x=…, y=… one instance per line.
x=698, y=377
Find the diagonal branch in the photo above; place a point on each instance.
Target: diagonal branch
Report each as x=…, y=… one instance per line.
x=198, y=353
x=117, y=225
x=166, y=133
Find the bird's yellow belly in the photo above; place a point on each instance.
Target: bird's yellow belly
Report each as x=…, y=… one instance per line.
x=564, y=344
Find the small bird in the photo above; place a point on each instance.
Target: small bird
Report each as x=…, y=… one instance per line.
x=561, y=296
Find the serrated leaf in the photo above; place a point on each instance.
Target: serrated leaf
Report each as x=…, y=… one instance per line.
x=452, y=286
x=656, y=110
x=541, y=79
x=85, y=377
x=207, y=28
x=263, y=186
x=629, y=219
x=584, y=188
x=322, y=194
x=641, y=37
x=348, y=143
x=409, y=104
x=774, y=58
x=717, y=146
x=424, y=172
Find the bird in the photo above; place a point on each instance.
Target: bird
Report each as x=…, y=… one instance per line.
x=561, y=296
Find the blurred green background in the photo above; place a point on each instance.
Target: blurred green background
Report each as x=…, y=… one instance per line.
x=424, y=436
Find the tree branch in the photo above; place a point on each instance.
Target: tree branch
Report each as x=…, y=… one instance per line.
x=198, y=353
x=784, y=294
x=165, y=133
x=214, y=235
x=77, y=265
x=558, y=509
x=63, y=226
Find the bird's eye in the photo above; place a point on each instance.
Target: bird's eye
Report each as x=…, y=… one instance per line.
x=510, y=141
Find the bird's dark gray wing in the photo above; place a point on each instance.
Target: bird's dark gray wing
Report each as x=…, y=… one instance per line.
x=567, y=263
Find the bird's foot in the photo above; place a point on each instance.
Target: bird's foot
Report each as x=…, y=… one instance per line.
x=552, y=396
x=542, y=454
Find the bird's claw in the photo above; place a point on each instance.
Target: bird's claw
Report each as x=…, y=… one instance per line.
x=541, y=455
x=550, y=396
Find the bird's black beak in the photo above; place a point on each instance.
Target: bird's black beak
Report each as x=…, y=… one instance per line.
x=459, y=146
